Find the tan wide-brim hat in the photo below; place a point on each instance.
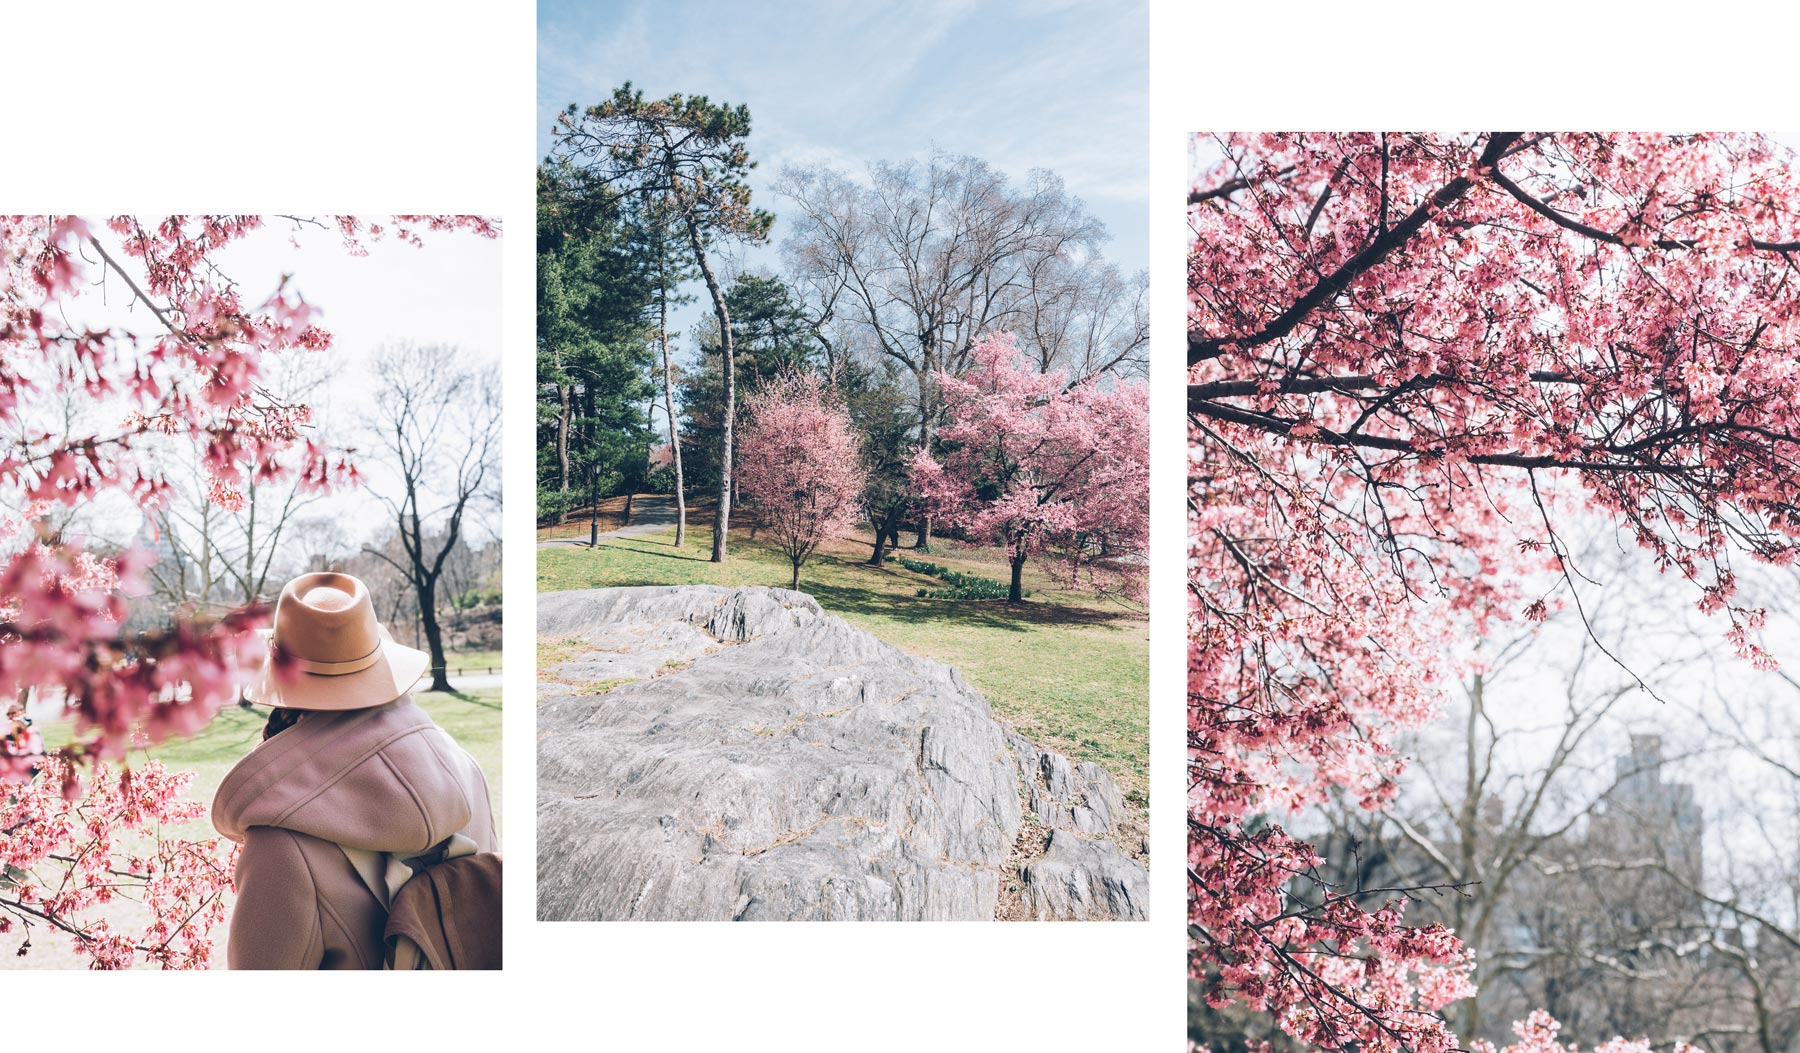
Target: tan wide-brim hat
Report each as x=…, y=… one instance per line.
x=327, y=651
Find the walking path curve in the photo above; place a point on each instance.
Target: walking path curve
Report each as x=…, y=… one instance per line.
x=648, y=515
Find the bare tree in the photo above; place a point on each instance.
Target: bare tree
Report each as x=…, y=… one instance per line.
x=437, y=425
x=922, y=260
x=187, y=569
x=1527, y=824
x=215, y=555
x=318, y=541
x=1080, y=314
x=1753, y=884
x=225, y=557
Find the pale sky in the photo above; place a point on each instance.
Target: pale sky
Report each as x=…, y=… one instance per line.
x=1057, y=84
x=1650, y=623
x=446, y=291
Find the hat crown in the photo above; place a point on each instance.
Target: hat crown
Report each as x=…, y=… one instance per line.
x=326, y=598
x=325, y=617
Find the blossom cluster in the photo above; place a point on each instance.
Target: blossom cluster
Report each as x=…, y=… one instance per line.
x=67, y=860
x=1538, y=1034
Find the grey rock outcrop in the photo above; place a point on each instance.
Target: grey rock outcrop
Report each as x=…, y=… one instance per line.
x=713, y=753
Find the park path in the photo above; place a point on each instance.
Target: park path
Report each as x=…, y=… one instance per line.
x=475, y=682
x=648, y=515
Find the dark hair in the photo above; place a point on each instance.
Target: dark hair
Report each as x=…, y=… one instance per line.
x=280, y=720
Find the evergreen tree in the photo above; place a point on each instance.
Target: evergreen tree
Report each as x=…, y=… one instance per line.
x=668, y=270
x=685, y=157
x=595, y=351
x=880, y=406
x=770, y=334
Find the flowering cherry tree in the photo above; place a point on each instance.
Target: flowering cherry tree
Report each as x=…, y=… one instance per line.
x=1538, y=1034
x=1044, y=467
x=1408, y=354
x=800, y=461
x=191, y=374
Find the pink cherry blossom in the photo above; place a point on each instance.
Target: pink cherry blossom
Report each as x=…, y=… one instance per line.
x=800, y=462
x=69, y=857
x=1538, y=1034
x=1408, y=354
x=1044, y=468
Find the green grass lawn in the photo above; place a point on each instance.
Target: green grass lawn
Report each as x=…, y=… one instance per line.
x=472, y=663
x=472, y=718
x=1067, y=670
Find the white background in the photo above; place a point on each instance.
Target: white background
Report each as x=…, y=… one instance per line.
x=374, y=107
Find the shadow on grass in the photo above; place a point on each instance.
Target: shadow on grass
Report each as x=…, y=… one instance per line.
x=882, y=600
x=849, y=585
x=655, y=547
x=464, y=696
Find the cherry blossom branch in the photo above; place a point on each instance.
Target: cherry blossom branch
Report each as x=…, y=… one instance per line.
x=1325, y=436
x=1232, y=186
x=1217, y=389
x=1568, y=222
x=136, y=289
x=1201, y=349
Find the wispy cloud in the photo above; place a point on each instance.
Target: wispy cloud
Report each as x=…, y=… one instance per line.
x=1059, y=84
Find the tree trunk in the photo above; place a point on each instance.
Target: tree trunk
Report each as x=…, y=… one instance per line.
x=593, y=508
x=565, y=394
x=728, y=362
x=1016, y=594
x=923, y=542
x=927, y=361
x=1468, y=822
x=662, y=326
x=794, y=583
x=880, y=555
x=629, y=498
x=434, y=636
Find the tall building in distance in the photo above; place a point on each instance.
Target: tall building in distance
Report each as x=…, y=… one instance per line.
x=1649, y=821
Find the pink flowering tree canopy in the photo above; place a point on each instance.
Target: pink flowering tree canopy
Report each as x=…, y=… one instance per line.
x=1536, y=1034
x=1043, y=467
x=800, y=461
x=189, y=375
x=1407, y=354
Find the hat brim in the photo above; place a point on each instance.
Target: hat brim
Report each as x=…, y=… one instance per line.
x=392, y=675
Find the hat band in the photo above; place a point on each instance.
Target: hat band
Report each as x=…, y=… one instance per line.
x=354, y=665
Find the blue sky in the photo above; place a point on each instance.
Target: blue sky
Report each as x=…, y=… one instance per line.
x=1057, y=84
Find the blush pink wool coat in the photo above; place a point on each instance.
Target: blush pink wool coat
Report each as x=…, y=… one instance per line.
x=385, y=779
